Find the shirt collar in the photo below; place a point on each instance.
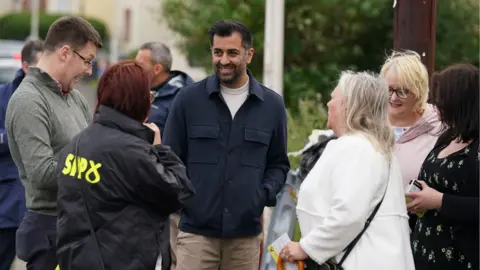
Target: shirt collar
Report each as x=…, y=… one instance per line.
x=64, y=93
x=110, y=117
x=213, y=85
x=46, y=78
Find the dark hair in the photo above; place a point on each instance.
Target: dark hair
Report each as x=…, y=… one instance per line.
x=225, y=28
x=72, y=30
x=125, y=87
x=454, y=91
x=30, y=50
x=311, y=155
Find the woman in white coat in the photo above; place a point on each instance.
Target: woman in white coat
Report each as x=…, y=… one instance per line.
x=349, y=180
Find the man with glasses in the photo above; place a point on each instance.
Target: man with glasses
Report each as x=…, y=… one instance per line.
x=43, y=115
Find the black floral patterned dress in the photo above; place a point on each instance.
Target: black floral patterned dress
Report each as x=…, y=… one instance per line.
x=446, y=238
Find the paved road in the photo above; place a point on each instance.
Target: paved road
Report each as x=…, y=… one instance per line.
x=90, y=94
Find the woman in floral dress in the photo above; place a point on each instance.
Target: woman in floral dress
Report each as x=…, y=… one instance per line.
x=447, y=235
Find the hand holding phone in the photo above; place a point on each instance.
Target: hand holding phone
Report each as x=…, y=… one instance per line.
x=157, y=139
x=413, y=186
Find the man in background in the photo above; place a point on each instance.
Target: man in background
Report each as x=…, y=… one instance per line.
x=43, y=115
x=12, y=193
x=166, y=83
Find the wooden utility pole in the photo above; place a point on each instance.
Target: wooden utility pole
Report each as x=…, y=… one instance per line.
x=415, y=28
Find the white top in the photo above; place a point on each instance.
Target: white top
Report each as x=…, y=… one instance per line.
x=235, y=97
x=398, y=132
x=338, y=196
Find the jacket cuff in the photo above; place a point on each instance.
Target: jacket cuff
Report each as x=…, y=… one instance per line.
x=162, y=147
x=271, y=196
x=308, y=250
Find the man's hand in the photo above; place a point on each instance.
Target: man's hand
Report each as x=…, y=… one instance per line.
x=157, y=139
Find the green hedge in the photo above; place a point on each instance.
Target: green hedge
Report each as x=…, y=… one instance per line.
x=16, y=26
x=132, y=54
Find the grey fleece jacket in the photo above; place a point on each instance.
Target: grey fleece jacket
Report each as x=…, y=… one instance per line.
x=40, y=121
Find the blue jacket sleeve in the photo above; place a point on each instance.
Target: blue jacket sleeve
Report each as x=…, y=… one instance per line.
x=277, y=161
x=175, y=133
x=3, y=132
x=3, y=141
x=6, y=92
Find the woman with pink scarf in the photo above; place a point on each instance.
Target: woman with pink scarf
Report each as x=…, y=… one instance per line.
x=415, y=122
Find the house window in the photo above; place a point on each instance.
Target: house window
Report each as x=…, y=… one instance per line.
x=17, y=5
x=127, y=24
x=64, y=6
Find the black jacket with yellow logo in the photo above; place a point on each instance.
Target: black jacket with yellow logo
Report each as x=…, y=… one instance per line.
x=115, y=192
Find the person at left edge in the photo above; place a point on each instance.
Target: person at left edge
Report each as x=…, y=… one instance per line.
x=12, y=193
x=114, y=206
x=43, y=115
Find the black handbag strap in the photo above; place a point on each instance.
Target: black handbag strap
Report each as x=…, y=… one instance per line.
x=92, y=231
x=352, y=244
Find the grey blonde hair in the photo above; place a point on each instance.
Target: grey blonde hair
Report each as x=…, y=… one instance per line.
x=160, y=54
x=412, y=74
x=366, y=100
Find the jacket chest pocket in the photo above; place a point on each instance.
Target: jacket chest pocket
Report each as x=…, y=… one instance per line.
x=203, y=146
x=256, y=143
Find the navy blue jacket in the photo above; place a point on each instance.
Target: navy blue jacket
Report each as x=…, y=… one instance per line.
x=237, y=166
x=12, y=192
x=165, y=93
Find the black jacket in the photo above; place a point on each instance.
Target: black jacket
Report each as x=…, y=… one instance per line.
x=123, y=189
x=237, y=166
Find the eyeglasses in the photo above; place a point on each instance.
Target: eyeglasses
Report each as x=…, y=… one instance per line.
x=401, y=93
x=88, y=63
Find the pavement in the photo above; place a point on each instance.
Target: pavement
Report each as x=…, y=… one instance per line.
x=90, y=94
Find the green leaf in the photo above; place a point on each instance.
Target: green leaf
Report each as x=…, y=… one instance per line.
x=322, y=38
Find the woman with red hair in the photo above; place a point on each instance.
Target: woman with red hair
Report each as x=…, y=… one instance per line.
x=117, y=184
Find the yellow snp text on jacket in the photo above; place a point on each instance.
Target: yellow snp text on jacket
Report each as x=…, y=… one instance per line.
x=83, y=168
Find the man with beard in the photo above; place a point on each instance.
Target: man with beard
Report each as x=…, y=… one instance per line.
x=43, y=115
x=231, y=133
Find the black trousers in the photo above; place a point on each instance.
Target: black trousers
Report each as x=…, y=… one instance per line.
x=36, y=241
x=7, y=247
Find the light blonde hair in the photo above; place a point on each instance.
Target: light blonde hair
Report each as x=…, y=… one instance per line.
x=412, y=74
x=366, y=99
